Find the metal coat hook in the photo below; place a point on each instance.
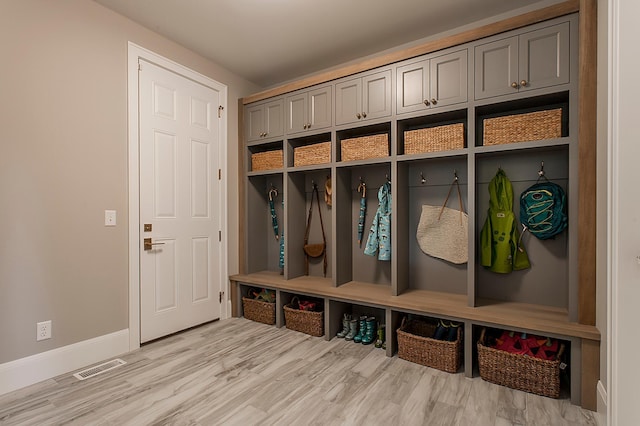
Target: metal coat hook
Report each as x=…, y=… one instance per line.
x=541, y=171
x=423, y=180
x=362, y=187
x=455, y=175
x=273, y=193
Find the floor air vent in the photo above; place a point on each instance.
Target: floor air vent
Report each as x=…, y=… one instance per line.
x=95, y=370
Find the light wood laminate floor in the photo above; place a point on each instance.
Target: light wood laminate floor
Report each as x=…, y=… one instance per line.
x=238, y=372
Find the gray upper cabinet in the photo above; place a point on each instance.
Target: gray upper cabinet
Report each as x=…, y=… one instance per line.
x=310, y=110
x=532, y=60
x=432, y=83
x=363, y=98
x=265, y=120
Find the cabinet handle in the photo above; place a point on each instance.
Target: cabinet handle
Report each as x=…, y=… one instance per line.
x=426, y=102
x=523, y=83
x=308, y=125
x=364, y=115
x=358, y=116
x=514, y=85
x=304, y=126
x=434, y=101
x=265, y=134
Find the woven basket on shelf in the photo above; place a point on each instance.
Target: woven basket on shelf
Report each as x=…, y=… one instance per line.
x=308, y=155
x=257, y=310
x=517, y=371
x=432, y=139
x=532, y=126
x=267, y=160
x=416, y=345
x=365, y=147
x=309, y=322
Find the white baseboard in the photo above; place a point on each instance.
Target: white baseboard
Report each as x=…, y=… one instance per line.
x=36, y=368
x=601, y=415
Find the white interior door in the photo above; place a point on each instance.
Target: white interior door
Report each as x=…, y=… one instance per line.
x=180, y=202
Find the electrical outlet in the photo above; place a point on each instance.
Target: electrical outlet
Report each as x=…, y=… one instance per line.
x=43, y=330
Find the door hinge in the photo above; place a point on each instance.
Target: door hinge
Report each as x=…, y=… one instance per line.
x=139, y=66
x=220, y=108
x=219, y=174
x=221, y=296
x=219, y=235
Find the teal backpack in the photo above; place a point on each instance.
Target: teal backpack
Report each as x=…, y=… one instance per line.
x=543, y=209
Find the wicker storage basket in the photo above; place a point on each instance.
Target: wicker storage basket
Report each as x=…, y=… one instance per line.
x=365, y=147
x=432, y=139
x=309, y=322
x=267, y=160
x=257, y=310
x=319, y=153
x=517, y=371
x=416, y=345
x=532, y=126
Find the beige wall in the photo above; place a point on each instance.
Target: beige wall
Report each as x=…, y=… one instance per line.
x=63, y=161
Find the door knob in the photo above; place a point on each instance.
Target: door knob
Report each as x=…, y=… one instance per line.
x=523, y=83
x=434, y=101
x=358, y=116
x=514, y=85
x=364, y=115
x=426, y=102
x=148, y=245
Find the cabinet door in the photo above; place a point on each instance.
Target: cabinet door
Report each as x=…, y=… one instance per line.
x=254, y=119
x=449, y=79
x=544, y=57
x=376, y=95
x=320, y=108
x=496, y=68
x=348, y=101
x=274, y=123
x=297, y=112
x=412, y=83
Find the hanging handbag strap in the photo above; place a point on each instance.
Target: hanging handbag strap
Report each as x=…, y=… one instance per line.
x=455, y=181
x=308, y=230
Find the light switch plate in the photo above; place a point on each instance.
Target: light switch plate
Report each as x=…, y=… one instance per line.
x=109, y=218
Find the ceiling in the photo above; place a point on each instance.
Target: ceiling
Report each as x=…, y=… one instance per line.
x=269, y=42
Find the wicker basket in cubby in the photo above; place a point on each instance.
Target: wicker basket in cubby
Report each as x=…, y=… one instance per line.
x=309, y=155
x=518, y=371
x=267, y=160
x=532, y=126
x=432, y=139
x=258, y=310
x=415, y=344
x=365, y=147
x=309, y=322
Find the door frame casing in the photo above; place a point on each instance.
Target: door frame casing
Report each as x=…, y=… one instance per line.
x=135, y=53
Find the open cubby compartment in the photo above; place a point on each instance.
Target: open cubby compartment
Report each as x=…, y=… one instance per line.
x=377, y=153
x=299, y=189
x=352, y=263
x=427, y=182
x=432, y=124
x=308, y=142
x=263, y=252
x=547, y=281
x=274, y=148
x=524, y=106
x=566, y=359
x=337, y=309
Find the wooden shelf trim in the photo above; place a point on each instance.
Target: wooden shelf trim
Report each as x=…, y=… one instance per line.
x=550, y=12
x=534, y=318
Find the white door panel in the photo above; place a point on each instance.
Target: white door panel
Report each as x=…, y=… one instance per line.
x=180, y=199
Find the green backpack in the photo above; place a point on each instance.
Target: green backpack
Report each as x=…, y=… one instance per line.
x=543, y=209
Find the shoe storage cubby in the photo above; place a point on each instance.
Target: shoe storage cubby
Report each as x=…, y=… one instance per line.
x=424, y=155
